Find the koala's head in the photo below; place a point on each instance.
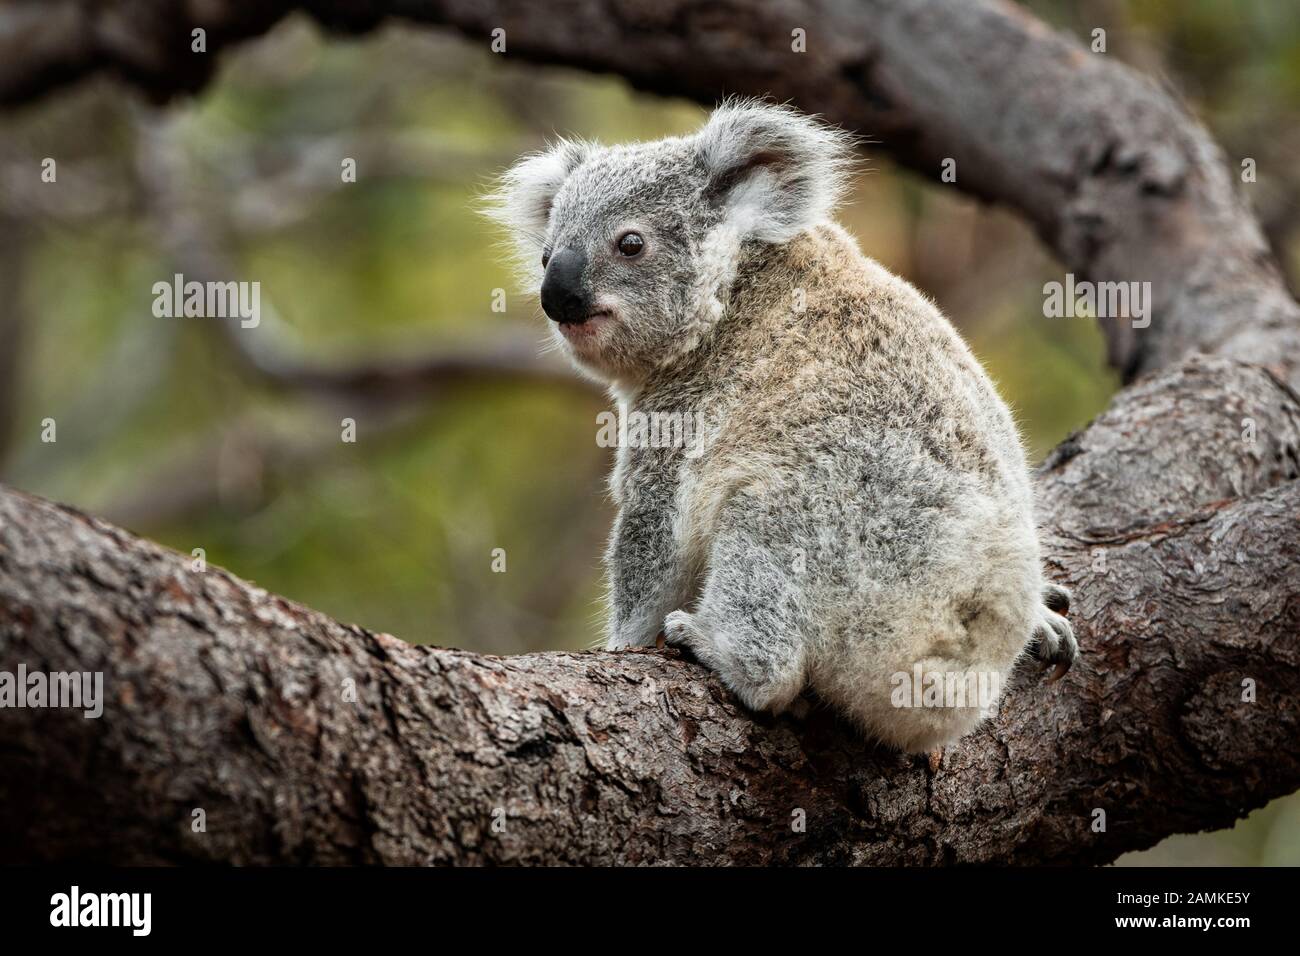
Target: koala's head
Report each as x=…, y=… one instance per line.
x=634, y=248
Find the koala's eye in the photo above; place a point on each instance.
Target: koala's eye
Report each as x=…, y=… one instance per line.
x=631, y=244
x=546, y=257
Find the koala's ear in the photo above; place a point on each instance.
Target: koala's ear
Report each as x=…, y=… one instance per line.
x=522, y=199
x=773, y=170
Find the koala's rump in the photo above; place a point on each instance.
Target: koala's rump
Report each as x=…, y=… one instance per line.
x=910, y=553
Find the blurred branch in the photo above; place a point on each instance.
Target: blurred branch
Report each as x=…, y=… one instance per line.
x=87, y=190
x=1129, y=189
x=12, y=263
x=46, y=43
x=515, y=358
x=196, y=239
x=235, y=466
x=287, y=181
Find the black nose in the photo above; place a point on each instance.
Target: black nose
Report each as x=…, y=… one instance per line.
x=562, y=296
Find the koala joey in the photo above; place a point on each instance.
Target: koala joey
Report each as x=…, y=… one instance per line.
x=859, y=512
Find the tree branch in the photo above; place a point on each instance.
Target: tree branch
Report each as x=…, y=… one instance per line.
x=223, y=698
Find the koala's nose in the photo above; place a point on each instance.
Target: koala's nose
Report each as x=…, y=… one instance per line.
x=562, y=296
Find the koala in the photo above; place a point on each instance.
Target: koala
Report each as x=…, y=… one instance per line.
x=858, y=517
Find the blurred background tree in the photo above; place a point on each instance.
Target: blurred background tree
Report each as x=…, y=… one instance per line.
x=175, y=429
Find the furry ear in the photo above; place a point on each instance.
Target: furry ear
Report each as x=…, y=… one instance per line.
x=521, y=202
x=772, y=169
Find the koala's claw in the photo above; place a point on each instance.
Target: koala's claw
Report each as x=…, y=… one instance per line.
x=1053, y=640
x=1057, y=599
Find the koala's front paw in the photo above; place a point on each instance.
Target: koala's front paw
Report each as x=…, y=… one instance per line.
x=638, y=631
x=680, y=631
x=1052, y=640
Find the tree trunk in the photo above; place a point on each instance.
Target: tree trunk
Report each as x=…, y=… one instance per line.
x=1174, y=517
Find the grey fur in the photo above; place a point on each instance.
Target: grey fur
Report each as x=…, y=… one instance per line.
x=862, y=503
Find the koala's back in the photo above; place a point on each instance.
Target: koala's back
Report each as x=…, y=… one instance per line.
x=861, y=442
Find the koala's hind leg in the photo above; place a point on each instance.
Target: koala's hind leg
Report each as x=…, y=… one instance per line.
x=747, y=628
x=766, y=677
x=1057, y=598
x=1052, y=638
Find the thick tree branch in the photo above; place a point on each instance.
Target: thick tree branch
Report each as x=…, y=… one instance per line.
x=225, y=698
x=1174, y=517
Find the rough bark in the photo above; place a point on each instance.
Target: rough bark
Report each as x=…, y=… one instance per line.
x=1174, y=517
x=225, y=698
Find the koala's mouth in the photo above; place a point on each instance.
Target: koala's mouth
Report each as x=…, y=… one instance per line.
x=588, y=327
